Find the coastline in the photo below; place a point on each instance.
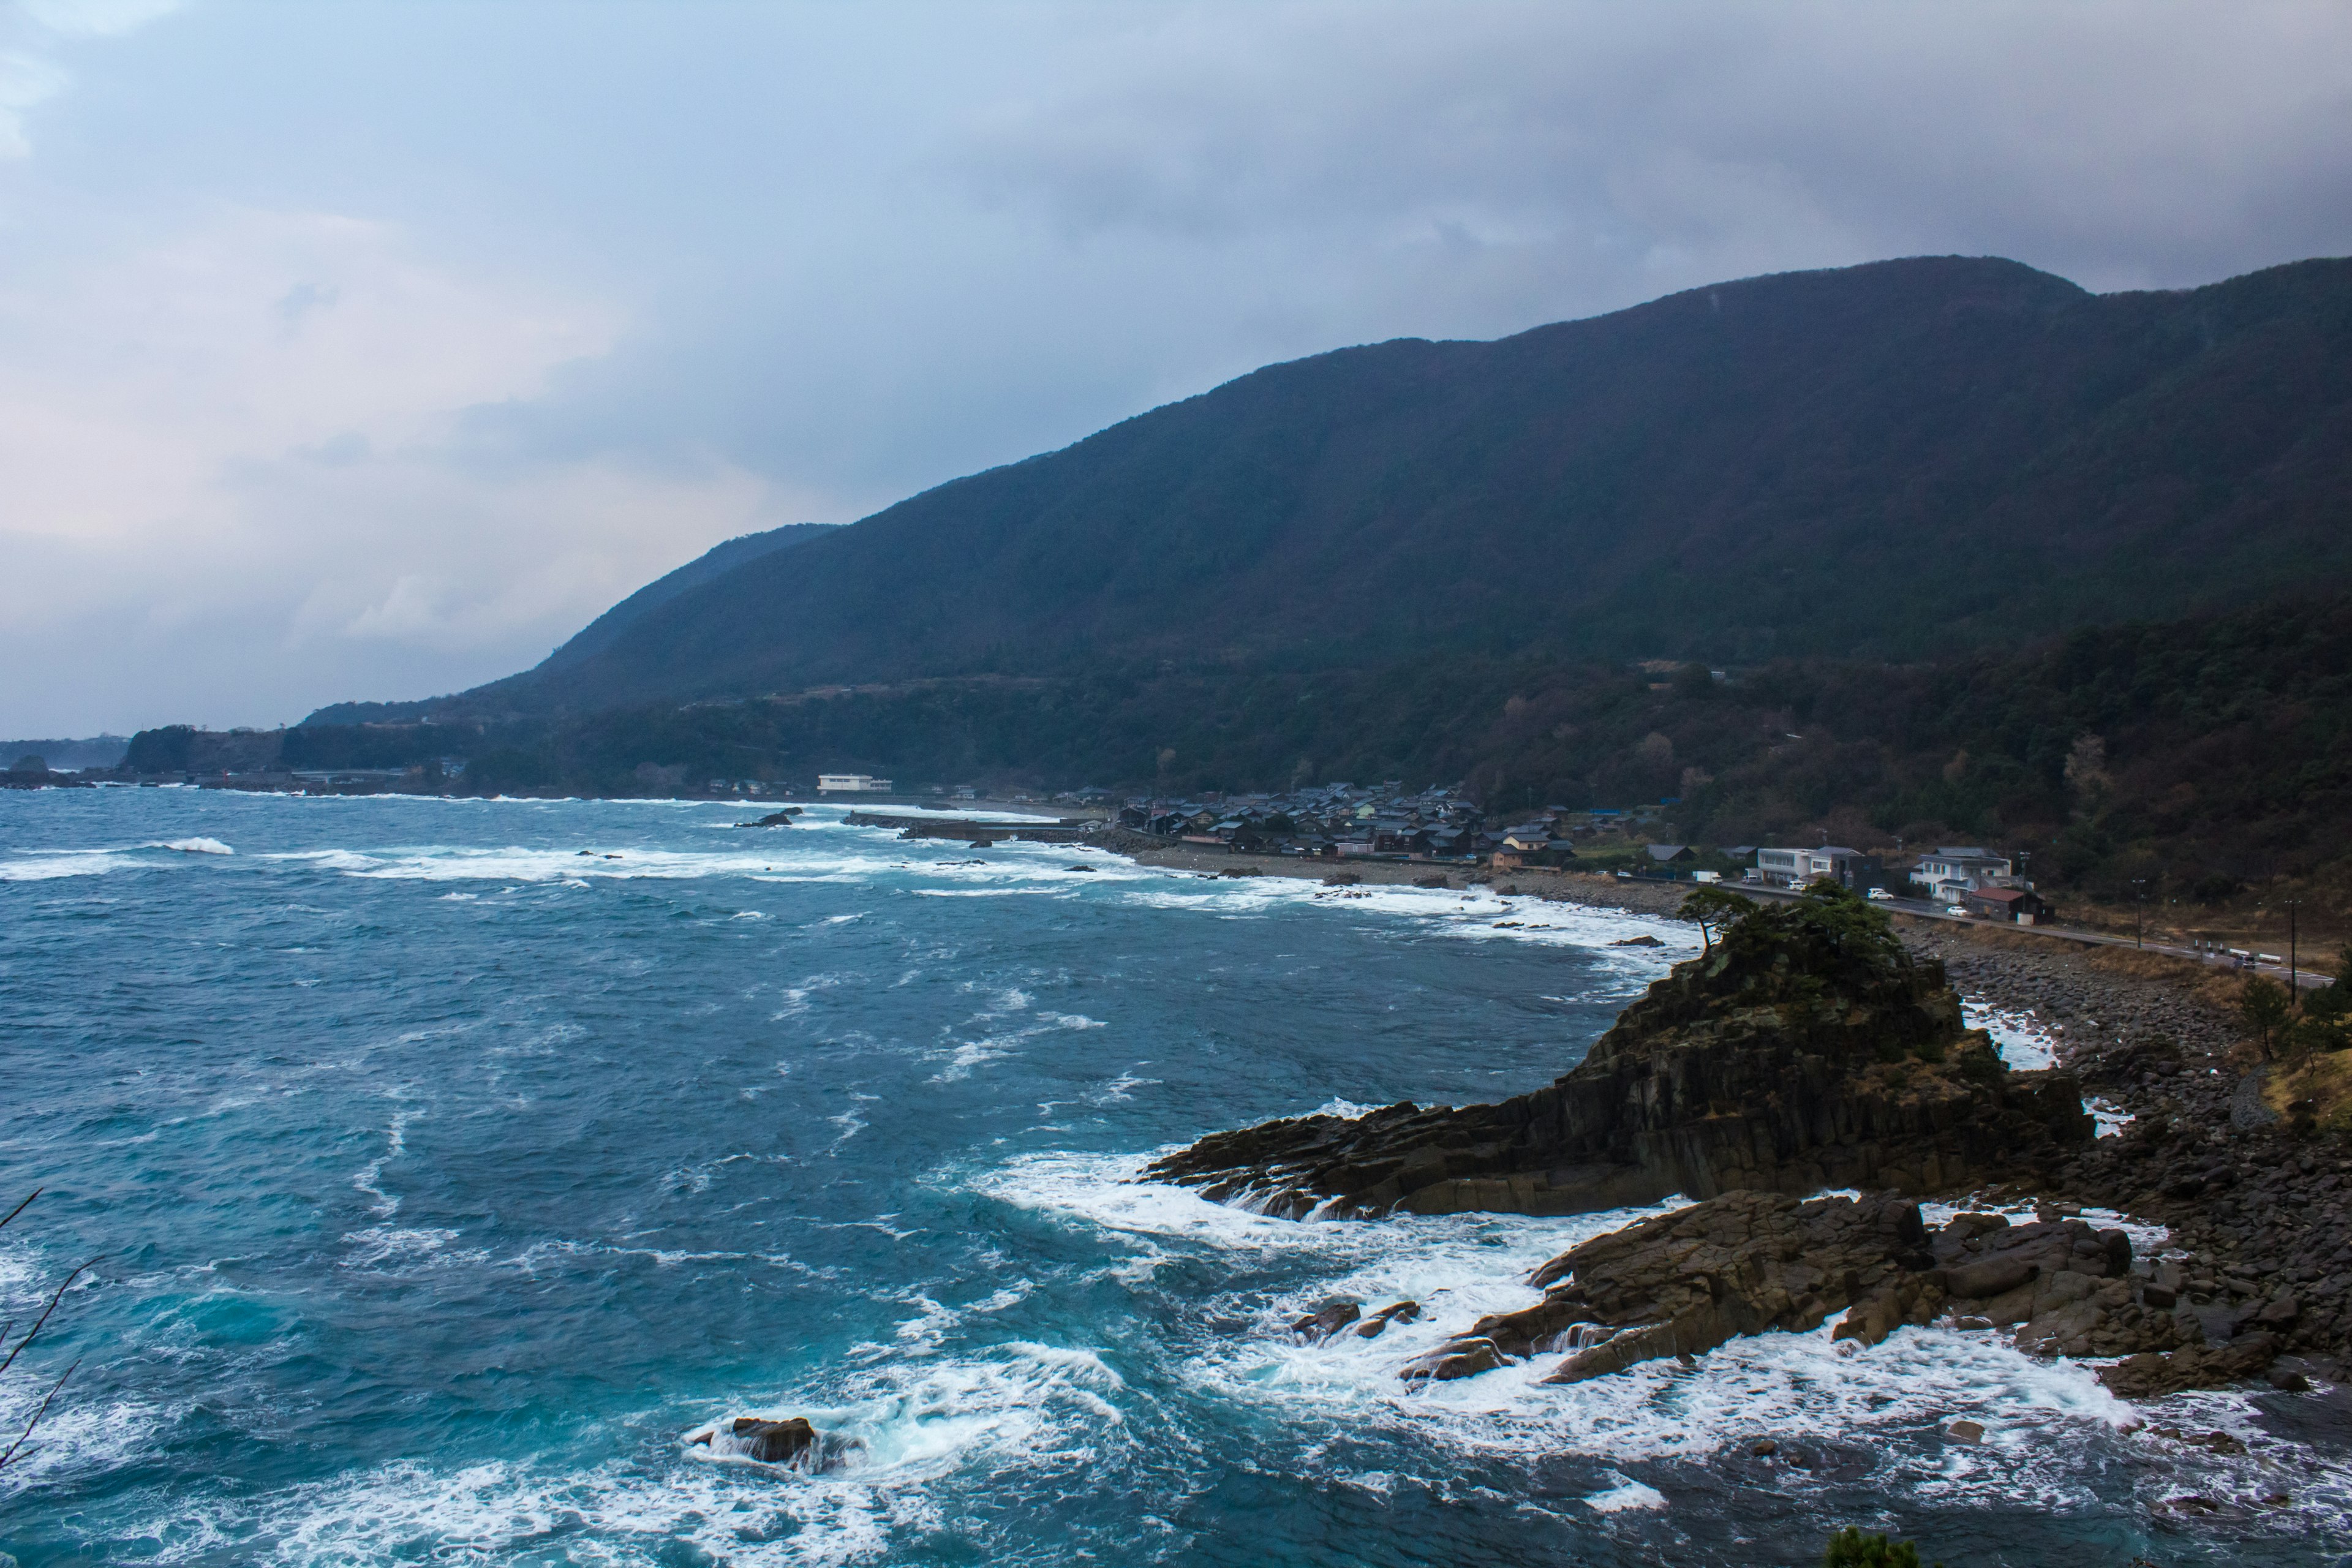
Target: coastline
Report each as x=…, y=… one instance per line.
x=2260, y=1236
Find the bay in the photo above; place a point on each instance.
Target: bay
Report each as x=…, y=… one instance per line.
x=456, y=1162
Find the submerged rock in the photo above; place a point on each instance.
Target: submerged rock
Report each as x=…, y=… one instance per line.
x=1806, y=1050
x=788, y=1442
x=1325, y=1321
x=1373, y=1327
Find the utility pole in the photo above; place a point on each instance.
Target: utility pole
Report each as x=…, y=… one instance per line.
x=2139, y=909
x=2292, y=905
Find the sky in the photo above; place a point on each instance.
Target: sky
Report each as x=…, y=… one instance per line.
x=368, y=351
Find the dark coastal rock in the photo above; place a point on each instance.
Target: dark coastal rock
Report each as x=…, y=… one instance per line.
x=1646, y=940
x=1325, y=1321
x=1806, y=1050
x=1456, y=1358
x=1683, y=1283
x=2247, y=1110
x=1753, y=1262
x=1373, y=1327
x=788, y=1442
x=2151, y=1376
x=774, y=819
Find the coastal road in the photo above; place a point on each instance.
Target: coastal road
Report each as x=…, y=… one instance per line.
x=2305, y=976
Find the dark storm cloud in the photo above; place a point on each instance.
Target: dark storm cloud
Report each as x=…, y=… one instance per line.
x=368, y=350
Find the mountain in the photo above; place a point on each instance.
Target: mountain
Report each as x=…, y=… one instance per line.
x=1895, y=460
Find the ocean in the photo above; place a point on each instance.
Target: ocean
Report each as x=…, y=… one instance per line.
x=455, y=1162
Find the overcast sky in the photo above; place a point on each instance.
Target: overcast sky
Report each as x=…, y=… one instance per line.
x=368, y=351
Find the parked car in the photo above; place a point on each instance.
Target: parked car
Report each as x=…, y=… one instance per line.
x=1881, y=893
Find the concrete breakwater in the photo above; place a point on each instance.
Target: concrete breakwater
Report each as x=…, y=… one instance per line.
x=965, y=830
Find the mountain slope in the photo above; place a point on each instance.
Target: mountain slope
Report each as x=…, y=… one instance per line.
x=1884, y=460
x=716, y=562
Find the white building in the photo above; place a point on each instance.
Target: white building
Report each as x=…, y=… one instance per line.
x=1803, y=867
x=1955, y=871
x=851, y=783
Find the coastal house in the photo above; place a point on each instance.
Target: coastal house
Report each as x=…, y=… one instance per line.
x=2020, y=906
x=1666, y=856
x=1777, y=867
x=1953, y=871
x=851, y=783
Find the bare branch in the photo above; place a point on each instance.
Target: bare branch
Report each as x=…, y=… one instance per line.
x=36, y=1421
x=20, y=1207
x=43, y=1318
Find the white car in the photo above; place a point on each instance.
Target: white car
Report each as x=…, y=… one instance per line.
x=1881, y=893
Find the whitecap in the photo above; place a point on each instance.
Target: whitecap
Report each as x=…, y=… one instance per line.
x=194, y=847
x=1624, y=1495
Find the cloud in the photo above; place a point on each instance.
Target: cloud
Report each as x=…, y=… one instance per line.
x=247, y=437
x=1636, y=143
x=25, y=81
x=29, y=29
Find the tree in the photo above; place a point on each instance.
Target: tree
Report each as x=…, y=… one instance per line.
x=2331, y=1001
x=2265, y=1009
x=1716, y=909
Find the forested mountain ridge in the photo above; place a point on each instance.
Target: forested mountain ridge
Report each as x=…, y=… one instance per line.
x=2195, y=758
x=1894, y=460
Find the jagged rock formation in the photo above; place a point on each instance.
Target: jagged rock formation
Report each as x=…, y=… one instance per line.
x=1683, y=1283
x=1805, y=1050
x=1680, y=1284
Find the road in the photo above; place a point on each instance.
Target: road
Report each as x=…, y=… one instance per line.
x=2306, y=976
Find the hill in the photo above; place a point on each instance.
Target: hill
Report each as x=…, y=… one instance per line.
x=2206, y=759
x=1890, y=461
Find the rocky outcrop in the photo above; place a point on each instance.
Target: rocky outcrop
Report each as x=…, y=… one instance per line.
x=1746, y=1263
x=1683, y=1283
x=792, y=1441
x=2152, y=1374
x=1805, y=1050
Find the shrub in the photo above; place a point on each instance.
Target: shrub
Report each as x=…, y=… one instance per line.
x=1850, y=1548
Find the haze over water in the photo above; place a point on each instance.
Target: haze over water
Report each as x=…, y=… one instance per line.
x=450, y=1177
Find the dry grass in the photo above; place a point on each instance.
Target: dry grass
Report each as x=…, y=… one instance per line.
x=2124, y=962
x=2325, y=1079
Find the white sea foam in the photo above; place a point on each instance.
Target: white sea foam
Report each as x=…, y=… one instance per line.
x=27, y=868
x=966, y=1055
x=1625, y=1494
x=388, y=1249
x=371, y=1174
x=2024, y=1040
x=1459, y=1267
x=43, y=866
x=614, y=1514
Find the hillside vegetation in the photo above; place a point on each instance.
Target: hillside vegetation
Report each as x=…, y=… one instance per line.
x=2206, y=760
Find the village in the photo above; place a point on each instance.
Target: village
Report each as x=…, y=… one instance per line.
x=1441, y=826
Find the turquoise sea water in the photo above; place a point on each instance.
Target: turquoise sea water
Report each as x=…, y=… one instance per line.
x=449, y=1178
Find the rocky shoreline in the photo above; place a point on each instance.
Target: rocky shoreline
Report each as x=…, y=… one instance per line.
x=2254, y=1280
